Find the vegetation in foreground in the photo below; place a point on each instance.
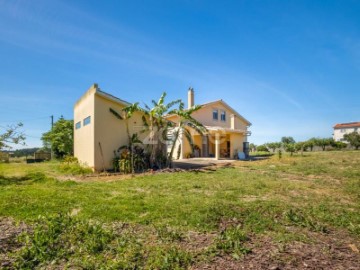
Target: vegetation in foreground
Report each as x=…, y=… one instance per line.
x=186, y=219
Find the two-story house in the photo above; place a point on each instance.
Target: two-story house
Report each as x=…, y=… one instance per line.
x=345, y=128
x=227, y=130
x=98, y=133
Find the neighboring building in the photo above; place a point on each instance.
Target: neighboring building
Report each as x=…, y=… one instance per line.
x=98, y=133
x=227, y=130
x=345, y=128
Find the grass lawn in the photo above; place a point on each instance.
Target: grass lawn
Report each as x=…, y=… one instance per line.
x=269, y=213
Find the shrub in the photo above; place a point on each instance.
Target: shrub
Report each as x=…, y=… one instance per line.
x=262, y=148
x=71, y=165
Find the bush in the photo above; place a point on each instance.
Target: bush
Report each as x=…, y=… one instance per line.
x=70, y=165
x=262, y=148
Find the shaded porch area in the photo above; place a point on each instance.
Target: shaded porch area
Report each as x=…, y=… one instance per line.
x=218, y=144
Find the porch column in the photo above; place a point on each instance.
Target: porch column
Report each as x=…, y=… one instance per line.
x=217, y=146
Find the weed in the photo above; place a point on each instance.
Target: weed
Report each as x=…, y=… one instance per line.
x=298, y=218
x=59, y=237
x=165, y=233
x=231, y=241
x=169, y=258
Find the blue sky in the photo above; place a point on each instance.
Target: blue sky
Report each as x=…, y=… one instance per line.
x=290, y=67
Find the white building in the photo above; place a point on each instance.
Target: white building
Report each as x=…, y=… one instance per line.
x=345, y=128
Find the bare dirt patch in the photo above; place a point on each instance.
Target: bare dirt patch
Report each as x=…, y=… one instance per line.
x=9, y=231
x=327, y=251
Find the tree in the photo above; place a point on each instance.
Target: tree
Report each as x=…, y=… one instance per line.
x=262, y=148
x=323, y=142
x=10, y=135
x=155, y=122
x=252, y=147
x=186, y=122
x=354, y=139
x=287, y=140
x=60, y=138
x=310, y=143
x=273, y=146
x=290, y=147
x=301, y=146
x=339, y=145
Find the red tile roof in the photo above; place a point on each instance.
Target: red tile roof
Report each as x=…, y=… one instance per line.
x=347, y=125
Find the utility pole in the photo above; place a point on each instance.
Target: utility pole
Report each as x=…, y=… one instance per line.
x=52, y=127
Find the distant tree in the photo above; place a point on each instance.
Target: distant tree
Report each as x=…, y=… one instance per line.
x=323, y=142
x=300, y=146
x=252, y=147
x=11, y=135
x=310, y=143
x=273, y=146
x=287, y=140
x=354, y=139
x=262, y=148
x=290, y=147
x=25, y=152
x=339, y=145
x=61, y=138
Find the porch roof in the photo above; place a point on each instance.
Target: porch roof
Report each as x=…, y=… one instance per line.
x=214, y=129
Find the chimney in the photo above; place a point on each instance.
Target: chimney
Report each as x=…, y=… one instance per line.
x=232, y=121
x=190, y=98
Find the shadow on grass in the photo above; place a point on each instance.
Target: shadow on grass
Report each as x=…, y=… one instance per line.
x=19, y=180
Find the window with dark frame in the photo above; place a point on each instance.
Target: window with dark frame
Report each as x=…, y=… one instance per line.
x=215, y=114
x=87, y=120
x=223, y=116
x=78, y=125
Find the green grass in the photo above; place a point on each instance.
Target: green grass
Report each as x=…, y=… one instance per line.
x=316, y=192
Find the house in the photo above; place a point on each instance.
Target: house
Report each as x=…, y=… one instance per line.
x=345, y=128
x=227, y=131
x=98, y=133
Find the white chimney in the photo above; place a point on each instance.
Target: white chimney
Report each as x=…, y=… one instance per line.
x=190, y=98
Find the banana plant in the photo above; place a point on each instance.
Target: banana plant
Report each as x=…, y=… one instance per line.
x=185, y=124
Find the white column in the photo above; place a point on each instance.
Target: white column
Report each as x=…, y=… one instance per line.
x=217, y=146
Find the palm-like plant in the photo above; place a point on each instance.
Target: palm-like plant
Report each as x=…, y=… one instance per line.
x=154, y=121
x=186, y=123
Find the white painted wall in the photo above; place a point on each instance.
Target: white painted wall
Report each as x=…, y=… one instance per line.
x=340, y=132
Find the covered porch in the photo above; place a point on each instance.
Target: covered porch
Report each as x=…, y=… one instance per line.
x=219, y=143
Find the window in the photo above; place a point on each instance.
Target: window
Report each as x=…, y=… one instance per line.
x=342, y=130
x=223, y=116
x=356, y=129
x=215, y=114
x=78, y=125
x=87, y=121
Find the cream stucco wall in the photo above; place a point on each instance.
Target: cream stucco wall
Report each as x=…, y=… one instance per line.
x=84, y=136
x=110, y=132
x=236, y=143
x=104, y=128
x=205, y=116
